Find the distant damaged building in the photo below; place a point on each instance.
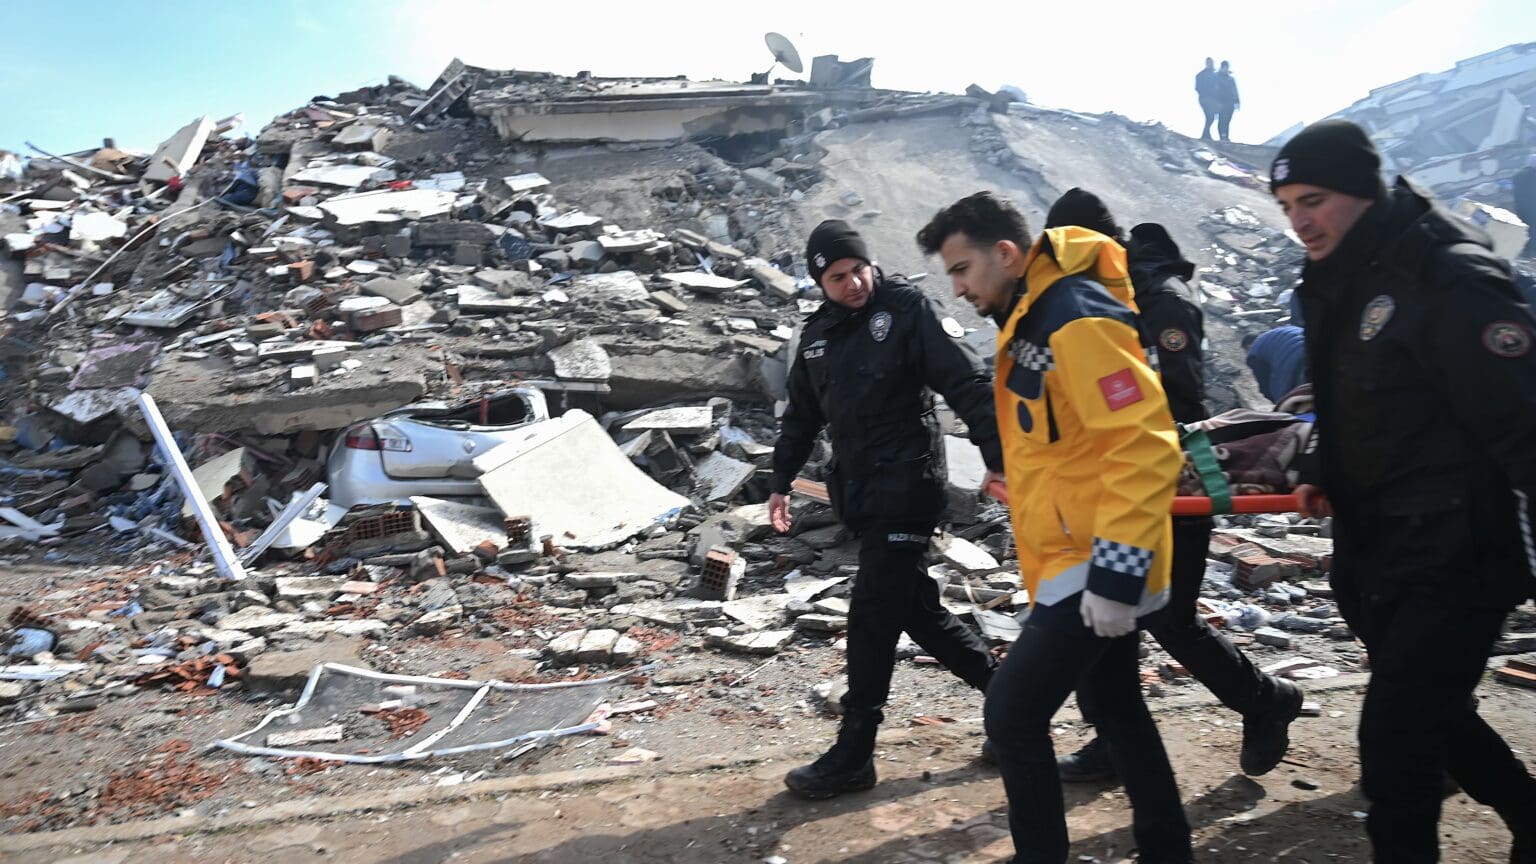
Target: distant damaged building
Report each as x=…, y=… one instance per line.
x=1463, y=131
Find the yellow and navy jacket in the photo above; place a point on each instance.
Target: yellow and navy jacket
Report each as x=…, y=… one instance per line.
x=1090, y=448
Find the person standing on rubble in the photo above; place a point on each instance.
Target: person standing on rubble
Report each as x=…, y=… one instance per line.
x=1173, y=330
x=1206, y=91
x=871, y=358
x=1092, y=462
x=1227, y=101
x=1425, y=385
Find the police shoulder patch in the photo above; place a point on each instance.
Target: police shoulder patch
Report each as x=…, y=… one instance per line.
x=1506, y=339
x=880, y=326
x=1173, y=339
x=952, y=328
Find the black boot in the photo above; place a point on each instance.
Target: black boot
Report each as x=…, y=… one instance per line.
x=1267, y=734
x=848, y=767
x=1088, y=765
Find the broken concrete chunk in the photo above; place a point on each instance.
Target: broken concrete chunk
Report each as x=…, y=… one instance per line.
x=400, y=292
x=282, y=671
x=719, y=477
x=566, y=646
x=305, y=737
x=598, y=580
x=258, y=620
x=685, y=421
x=582, y=360
x=822, y=623
x=966, y=556
x=1272, y=637
x=597, y=646
x=765, y=643
x=302, y=588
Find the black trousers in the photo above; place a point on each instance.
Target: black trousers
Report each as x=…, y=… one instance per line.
x=1224, y=121
x=1202, y=649
x=1420, y=721
x=891, y=594
x=1054, y=655
x=1211, y=110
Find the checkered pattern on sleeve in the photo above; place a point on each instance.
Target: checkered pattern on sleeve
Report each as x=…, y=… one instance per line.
x=1121, y=558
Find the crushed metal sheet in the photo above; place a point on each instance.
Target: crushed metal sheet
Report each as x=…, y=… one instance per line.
x=462, y=716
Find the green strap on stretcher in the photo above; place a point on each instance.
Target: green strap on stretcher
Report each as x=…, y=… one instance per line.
x=1198, y=445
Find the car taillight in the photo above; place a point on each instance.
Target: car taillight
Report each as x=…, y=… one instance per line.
x=363, y=438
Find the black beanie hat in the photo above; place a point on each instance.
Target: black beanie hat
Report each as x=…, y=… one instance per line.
x=1333, y=154
x=832, y=241
x=1085, y=210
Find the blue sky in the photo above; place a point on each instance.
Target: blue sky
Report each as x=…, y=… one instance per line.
x=75, y=72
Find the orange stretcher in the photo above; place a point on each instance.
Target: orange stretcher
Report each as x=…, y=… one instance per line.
x=1199, y=505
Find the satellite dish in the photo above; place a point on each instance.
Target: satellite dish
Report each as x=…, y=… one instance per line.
x=784, y=52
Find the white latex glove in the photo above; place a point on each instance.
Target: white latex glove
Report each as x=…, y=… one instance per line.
x=1105, y=617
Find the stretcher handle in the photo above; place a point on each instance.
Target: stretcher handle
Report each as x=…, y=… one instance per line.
x=1198, y=505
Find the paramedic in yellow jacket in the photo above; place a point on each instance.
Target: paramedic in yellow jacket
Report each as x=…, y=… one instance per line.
x=1092, y=460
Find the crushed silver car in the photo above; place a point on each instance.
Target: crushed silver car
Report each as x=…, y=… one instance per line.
x=428, y=448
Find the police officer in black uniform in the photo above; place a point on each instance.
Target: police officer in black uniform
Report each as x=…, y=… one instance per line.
x=1425, y=385
x=1173, y=329
x=870, y=359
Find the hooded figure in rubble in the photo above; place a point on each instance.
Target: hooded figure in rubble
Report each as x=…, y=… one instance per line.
x=870, y=359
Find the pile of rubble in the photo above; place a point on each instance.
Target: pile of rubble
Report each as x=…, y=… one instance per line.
x=355, y=356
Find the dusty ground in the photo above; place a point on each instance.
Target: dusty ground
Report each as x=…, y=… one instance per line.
x=934, y=803
x=142, y=756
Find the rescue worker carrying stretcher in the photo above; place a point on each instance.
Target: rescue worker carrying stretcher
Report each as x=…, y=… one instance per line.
x=1425, y=384
x=1092, y=464
x=1172, y=329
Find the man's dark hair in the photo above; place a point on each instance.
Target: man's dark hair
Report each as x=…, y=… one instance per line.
x=984, y=217
x=1249, y=339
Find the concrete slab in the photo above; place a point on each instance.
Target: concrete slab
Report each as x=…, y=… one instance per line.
x=720, y=477
x=88, y=406
x=582, y=360
x=570, y=477
x=401, y=292
x=474, y=300
x=361, y=136
x=966, y=470
x=762, y=612
x=344, y=176
x=461, y=527
x=623, y=285
x=179, y=153
x=212, y=475
x=385, y=210
x=573, y=221
x=688, y=421
x=703, y=283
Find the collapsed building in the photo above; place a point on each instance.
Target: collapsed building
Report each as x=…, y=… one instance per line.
x=496, y=361
x=1463, y=131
